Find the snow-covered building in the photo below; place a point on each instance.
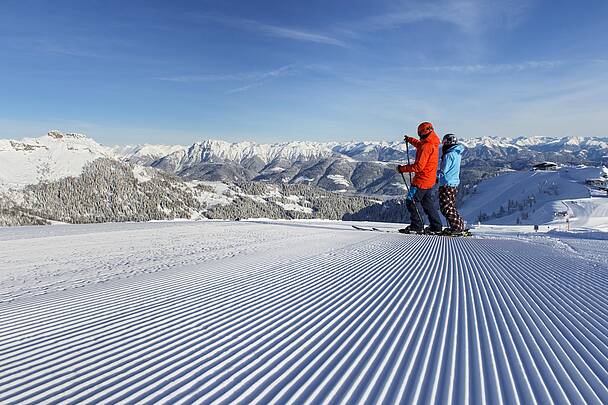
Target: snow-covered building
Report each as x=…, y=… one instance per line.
x=545, y=166
x=598, y=182
x=601, y=181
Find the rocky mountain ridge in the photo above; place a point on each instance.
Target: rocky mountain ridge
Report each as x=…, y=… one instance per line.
x=360, y=167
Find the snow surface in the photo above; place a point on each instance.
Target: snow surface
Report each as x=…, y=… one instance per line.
x=338, y=179
x=146, y=152
x=552, y=191
x=299, y=312
x=142, y=174
x=588, y=214
x=221, y=194
x=47, y=158
x=294, y=207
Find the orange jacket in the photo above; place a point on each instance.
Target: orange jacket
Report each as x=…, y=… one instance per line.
x=427, y=159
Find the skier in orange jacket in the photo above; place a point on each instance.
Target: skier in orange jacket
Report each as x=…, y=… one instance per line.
x=425, y=175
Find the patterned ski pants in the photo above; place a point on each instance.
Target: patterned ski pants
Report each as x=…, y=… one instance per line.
x=447, y=204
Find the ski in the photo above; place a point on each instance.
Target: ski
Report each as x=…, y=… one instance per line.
x=360, y=228
x=463, y=234
x=374, y=229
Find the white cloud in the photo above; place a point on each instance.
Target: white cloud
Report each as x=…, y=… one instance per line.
x=253, y=79
x=469, y=15
x=276, y=31
x=493, y=68
x=245, y=88
x=264, y=78
x=239, y=76
x=297, y=35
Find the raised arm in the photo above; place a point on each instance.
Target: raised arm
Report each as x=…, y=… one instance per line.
x=415, y=142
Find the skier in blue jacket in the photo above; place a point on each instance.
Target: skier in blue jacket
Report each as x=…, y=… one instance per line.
x=449, y=179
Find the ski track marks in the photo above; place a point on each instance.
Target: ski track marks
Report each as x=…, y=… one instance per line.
x=380, y=318
x=37, y=261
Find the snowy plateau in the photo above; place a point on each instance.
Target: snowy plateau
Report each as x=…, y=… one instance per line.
x=190, y=309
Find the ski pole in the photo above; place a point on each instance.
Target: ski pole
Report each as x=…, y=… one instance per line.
x=413, y=199
x=407, y=149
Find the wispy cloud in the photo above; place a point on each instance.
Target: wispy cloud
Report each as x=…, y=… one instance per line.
x=291, y=33
x=245, y=88
x=200, y=78
x=253, y=79
x=67, y=50
x=72, y=47
x=238, y=76
x=469, y=15
x=264, y=78
x=493, y=68
x=83, y=47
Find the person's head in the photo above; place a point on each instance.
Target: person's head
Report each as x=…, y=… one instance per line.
x=449, y=140
x=425, y=129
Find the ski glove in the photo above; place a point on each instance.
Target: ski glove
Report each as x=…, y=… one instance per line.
x=412, y=193
x=402, y=168
x=407, y=139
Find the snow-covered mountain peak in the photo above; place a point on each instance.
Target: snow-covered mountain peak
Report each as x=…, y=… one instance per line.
x=215, y=150
x=54, y=141
x=490, y=142
x=526, y=141
x=70, y=135
x=143, y=154
x=574, y=140
x=50, y=157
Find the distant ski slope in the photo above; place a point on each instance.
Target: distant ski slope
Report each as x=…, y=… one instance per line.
x=551, y=191
x=589, y=213
x=329, y=314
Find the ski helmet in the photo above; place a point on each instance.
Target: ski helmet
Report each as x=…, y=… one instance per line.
x=450, y=139
x=425, y=129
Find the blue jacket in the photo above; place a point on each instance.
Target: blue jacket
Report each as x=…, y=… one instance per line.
x=449, y=170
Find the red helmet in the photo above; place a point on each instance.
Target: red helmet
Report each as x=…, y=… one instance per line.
x=425, y=129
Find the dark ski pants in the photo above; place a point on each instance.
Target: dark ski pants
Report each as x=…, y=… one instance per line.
x=447, y=204
x=426, y=198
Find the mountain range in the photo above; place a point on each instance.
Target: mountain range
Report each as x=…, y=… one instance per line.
x=70, y=177
x=355, y=167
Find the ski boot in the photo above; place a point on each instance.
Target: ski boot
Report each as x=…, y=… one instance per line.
x=429, y=231
x=451, y=232
x=411, y=231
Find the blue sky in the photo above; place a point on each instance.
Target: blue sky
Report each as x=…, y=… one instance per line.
x=268, y=71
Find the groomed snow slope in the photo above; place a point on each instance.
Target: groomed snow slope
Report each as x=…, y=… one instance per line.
x=547, y=188
x=590, y=213
x=295, y=312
